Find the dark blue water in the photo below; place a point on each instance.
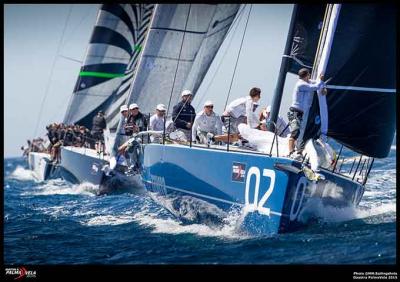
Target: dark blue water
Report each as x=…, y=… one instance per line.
x=55, y=222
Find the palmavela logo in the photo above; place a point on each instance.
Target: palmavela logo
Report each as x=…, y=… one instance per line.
x=20, y=273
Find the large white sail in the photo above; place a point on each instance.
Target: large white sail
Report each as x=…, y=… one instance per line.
x=110, y=62
x=183, y=40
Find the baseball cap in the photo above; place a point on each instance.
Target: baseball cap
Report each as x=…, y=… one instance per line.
x=123, y=108
x=133, y=106
x=161, y=107
x=208, y=103
x=186, y=92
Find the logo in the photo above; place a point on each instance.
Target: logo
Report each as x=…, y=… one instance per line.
x=95, y=168
x=238, y=172
x=21, y=273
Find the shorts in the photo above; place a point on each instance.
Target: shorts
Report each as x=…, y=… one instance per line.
x=233, y=122
x=98, y=136
x=295, y=118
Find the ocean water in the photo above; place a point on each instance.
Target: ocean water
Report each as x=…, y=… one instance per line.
x=55, y=222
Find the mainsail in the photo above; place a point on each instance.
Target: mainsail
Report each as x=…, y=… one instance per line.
x=182, y=42
x=361, y=98
x=110, y=62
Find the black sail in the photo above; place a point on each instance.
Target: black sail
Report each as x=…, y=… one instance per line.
x=308, y=23
x=362, y=91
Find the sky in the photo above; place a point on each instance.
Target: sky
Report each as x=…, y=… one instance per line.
x=39, y=80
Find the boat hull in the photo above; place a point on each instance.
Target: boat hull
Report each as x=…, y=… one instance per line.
x=271, y=191
x=41, y=166
x=80, y=165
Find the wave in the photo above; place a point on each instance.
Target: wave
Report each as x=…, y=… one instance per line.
x=61, y=187
x=173, y=224
x=22, y=174
x=315, y=209
x=108, y=220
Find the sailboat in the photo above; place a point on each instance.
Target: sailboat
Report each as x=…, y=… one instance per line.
x=271, y=190
x=123, y=36
x=103, y=83
x=340, y=41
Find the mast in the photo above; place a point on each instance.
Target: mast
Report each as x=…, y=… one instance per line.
x=276, y=100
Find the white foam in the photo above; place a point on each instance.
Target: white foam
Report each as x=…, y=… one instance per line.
x=172, y=226
x=393, y=147
x=60, y=187
x=332, y=214
x=22, y=174
x=55, y=211
x=108, y=220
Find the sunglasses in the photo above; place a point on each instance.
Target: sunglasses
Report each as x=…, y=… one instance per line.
x=210, y=107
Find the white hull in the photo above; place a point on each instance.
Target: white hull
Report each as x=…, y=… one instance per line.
x=39, y=163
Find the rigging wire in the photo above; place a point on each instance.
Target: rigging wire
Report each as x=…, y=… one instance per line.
x=86, y=16
x=71, y=59
x=238, y=56
x=52, y=71
x=236, y=20
x=177, y=65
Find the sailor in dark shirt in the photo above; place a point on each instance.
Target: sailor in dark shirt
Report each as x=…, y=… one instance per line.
x=98, y=126
x=51, y=132
x=183, y=113
x=136, y=121
x=69, y=137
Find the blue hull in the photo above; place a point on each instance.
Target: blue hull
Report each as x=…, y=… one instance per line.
x=80, y=165
x=272, y=191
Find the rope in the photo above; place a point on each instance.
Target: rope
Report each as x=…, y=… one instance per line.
x=51, y=72
x=238, y=56
x=225, y=52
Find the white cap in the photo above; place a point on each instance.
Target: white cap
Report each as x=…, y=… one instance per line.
x=268, y=109
x=123, y=108
x=208, y=103
x=186, y=92
x=161, y=107
x=132, y=106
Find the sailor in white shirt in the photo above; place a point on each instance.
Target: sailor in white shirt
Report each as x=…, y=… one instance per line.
x=157, y=121
x=243, y=110
x=206, y=122
x=302, y=92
